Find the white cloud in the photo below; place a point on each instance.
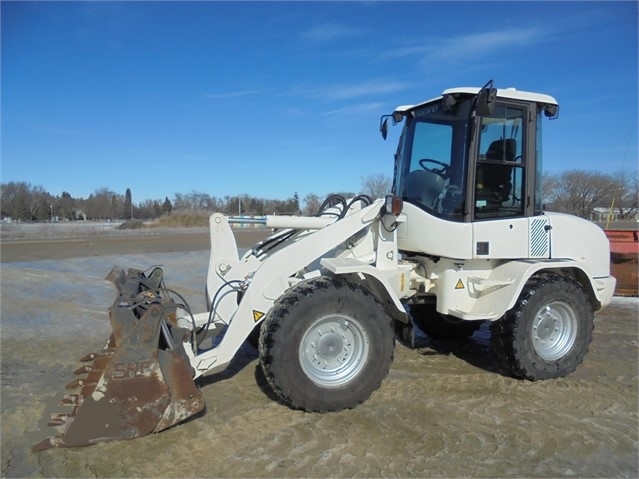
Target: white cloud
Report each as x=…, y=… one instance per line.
x=359, y=109
x=328, y=32
x=233, y=94
x=354, y=90
x=487, y=42
x=471, y=45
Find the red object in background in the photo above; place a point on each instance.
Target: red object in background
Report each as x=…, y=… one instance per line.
x=624, y=260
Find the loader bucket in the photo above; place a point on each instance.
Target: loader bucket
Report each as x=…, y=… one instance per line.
x=141, y=382
x=624, y=260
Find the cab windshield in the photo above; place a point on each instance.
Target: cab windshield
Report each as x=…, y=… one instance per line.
x=430, y=168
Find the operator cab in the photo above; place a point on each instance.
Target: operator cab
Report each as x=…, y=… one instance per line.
x=472, y=154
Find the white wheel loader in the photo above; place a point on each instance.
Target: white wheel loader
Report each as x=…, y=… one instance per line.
x=463, y=239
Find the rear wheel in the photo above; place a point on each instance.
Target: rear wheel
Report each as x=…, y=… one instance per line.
x=440, y=326
x=548, y=332
x=326, y=345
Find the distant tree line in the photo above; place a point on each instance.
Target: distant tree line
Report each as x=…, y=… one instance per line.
x=587, y=194
x=20, y=201
x=580, y=193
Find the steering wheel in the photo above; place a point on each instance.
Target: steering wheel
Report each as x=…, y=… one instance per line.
x=444, y=171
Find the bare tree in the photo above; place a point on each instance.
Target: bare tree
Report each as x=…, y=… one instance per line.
x=149, y=209
x=376, y=186
x=15, y=197
x=312, y=202
x=549, y=186
x=195, y=200
x=625, y=195
x=101, y=204
x=579, y=192
x=21, y=201
x=40, y=204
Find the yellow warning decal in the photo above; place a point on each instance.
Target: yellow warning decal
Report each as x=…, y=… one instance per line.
x=459, y=285
x=257, y=315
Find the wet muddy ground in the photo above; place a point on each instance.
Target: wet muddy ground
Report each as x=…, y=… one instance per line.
x=446, y=409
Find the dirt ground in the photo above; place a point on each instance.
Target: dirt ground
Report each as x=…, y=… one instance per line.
x=446, y=409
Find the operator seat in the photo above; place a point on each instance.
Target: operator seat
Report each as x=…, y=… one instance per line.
x=493, y=179
x=424, y=187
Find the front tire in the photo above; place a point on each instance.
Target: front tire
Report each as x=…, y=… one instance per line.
x=547, y=334
x=326, y=345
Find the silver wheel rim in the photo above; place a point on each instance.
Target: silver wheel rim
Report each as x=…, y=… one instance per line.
x=333, y=350
x=554, y=330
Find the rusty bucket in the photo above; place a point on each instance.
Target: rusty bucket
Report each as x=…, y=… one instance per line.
x=624, y=259
x=140, y=382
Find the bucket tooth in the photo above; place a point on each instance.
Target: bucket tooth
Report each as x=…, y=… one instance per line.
x=57, y=422
x=76, y=383
x=88, y=357
x=59, y=419
x=47, y=443
x=71, y=400
x=81, y=383
x=108, y=349
x=83, y=369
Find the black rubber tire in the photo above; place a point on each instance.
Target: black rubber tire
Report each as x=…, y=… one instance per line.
x=303, y=330
x=254, y=336
x=439, y=326
x=548, y=332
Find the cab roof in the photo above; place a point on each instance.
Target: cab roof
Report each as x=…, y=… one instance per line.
x=508, y=93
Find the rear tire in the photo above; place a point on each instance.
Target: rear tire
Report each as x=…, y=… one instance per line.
x=548, y=332
x=326, y=345
x=440, y=326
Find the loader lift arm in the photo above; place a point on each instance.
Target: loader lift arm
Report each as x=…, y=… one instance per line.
x=265, y=276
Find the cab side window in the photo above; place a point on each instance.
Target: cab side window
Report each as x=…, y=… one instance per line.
x=429, y=169
x=499, y=178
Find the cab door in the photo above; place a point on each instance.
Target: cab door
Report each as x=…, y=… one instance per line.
x=504, y=224
x=499, y=183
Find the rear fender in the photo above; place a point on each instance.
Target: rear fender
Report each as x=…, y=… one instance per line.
x=488, y=294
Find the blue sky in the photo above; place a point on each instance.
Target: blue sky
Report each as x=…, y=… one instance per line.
x=269, y=99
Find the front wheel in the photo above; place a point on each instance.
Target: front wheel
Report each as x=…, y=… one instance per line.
x=326, y=345
x=548, y=332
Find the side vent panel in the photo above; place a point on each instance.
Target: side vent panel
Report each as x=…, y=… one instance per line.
x=539, y=246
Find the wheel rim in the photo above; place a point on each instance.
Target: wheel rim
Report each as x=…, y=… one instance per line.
x=333, y=350
x=554, y=330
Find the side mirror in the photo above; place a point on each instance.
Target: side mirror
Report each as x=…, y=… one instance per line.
x=384, y=128
x=486, y=101
x=551, y=111
x=383, y=122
